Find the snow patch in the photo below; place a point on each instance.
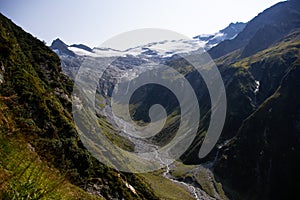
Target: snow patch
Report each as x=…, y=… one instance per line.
x=166, y=48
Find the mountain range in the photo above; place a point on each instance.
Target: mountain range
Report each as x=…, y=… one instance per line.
x=158, y=48
x=257, y=155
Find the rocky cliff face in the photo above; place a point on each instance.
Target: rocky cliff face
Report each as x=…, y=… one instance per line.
x=260, y=161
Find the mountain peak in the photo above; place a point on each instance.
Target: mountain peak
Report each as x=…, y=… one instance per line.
x=58, y=43
x=61, y=48
x=57, y=40
x=237, y=27
x=232, y=30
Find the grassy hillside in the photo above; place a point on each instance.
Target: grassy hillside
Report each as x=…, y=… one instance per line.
x=25, y=176
x=36, y=112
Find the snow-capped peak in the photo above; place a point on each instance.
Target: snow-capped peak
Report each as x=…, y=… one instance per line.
x=159, y=49
x=228, y=33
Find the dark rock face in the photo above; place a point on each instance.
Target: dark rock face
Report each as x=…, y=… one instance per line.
x=263, y=162
x=233, y=29
x=82, y=46
x=61, y=48
x=261, y=158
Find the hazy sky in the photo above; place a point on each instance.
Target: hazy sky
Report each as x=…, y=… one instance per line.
x=92, y=22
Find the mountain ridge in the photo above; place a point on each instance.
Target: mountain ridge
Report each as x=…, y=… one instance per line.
x=154, y=48
x=228, y=33
x=36, y=110
x=284, y=14
x=269, y=134
x=256, y=157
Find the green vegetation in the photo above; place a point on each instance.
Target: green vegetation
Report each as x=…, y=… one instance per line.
x=264, y=149
x=113, y=136
x=165, y=188
x=25, y=176
x=36, y=109
x=42, y=156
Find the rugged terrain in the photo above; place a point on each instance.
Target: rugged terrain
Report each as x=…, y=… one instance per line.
x=41, y=153
x=256, y=157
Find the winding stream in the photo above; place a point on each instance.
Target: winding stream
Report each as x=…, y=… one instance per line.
x=195, y=191
x=142, y=146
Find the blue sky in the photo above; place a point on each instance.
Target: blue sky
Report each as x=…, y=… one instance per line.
x=92, y=22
